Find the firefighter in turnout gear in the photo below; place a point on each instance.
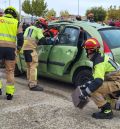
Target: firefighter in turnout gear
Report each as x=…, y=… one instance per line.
x=10, y=33
x=33, y=37
x=106, y=82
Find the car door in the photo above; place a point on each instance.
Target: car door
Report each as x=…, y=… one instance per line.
x=64, y=52
x=43, y=54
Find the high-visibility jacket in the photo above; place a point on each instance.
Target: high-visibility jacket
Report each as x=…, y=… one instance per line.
x=8, y=31
x=103, y=65
x=31, y=37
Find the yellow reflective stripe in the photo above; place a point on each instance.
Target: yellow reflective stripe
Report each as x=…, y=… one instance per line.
x=10, y=89
x=36, y=74
x=29, y=38
x=8, y=36
x=91, y=41
x=25, y=42
x=1, y=84
x=107, y=111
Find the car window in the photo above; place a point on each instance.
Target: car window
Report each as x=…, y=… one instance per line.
x=69, y=36
x=111, y=37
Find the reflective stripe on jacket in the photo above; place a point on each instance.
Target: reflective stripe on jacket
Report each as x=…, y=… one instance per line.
x=31, y=36
x=8, y=31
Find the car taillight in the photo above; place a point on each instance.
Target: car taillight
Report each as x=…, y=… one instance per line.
x=107, y=50
x=106, y=47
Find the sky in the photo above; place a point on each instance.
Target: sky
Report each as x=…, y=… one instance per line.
x=70, y=5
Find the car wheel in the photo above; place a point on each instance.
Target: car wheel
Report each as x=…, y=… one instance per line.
x=17, y=71
x=82, y=77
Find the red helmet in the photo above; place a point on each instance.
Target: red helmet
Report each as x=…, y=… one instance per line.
x=43, y=22
x=91, y=44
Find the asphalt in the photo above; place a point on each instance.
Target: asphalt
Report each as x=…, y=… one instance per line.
x=51, y=109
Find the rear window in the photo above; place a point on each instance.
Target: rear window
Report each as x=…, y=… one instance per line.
x=111, y=37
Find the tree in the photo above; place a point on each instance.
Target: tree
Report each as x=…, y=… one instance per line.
x=113, y=12
x=50, y=13
x=39, y=7
x=64, y=13
x=26, y=7
x=36, y=7
x=99, y=13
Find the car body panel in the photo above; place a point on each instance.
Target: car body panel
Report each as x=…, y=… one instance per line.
x=43, y=54
x=58, y=60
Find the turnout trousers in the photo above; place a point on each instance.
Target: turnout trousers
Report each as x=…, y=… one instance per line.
x=31, y=58
x=7, y=58
x=110, y=87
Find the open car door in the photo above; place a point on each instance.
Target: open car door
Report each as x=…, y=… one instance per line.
x=64, y=51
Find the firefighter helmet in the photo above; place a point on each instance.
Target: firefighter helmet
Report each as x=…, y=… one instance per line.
x=11, y=10
x=43, y=22
x=91, y=45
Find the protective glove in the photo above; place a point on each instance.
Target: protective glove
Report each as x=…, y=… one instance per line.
x=82, y=87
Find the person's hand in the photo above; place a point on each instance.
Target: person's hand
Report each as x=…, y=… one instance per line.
x=82, y=87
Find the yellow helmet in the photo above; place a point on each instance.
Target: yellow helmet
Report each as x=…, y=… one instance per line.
x=11, y=10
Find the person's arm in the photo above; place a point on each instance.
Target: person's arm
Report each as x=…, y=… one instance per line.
x=42, y=41
x=20, y=38
x=41, y=37
x=99, y=73
x=93, y=86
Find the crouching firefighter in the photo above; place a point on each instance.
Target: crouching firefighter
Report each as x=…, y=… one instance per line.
x=33, y=36
x=10, y=33
x=106, y=82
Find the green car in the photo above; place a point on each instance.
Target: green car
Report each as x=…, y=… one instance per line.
x=65, y=59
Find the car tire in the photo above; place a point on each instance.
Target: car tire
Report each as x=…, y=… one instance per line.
x=82, y=77
x=17, y=71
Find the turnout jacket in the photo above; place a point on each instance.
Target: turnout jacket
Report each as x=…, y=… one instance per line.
x=10, y=32
x=103, y=66
x=32, y=36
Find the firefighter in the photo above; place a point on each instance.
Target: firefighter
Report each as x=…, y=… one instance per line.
x=33, y=36
x=90, y=17
x=43, y=24
x=103, y=68
x=48, y=32
x=10, y=33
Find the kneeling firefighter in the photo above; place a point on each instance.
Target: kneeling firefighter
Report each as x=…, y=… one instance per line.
x=10, y=33
x=106, y=82
x=33, y=36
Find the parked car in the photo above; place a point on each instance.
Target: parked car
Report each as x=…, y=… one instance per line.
x=65, y=59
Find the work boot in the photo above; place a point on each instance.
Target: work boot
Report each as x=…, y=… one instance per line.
x=37, y=88
x=0, y=92
x=9, y=96
x=105, y=113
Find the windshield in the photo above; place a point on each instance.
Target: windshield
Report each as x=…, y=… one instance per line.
x=111, y=37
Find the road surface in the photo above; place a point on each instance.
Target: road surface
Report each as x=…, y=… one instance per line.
x=51, y=109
